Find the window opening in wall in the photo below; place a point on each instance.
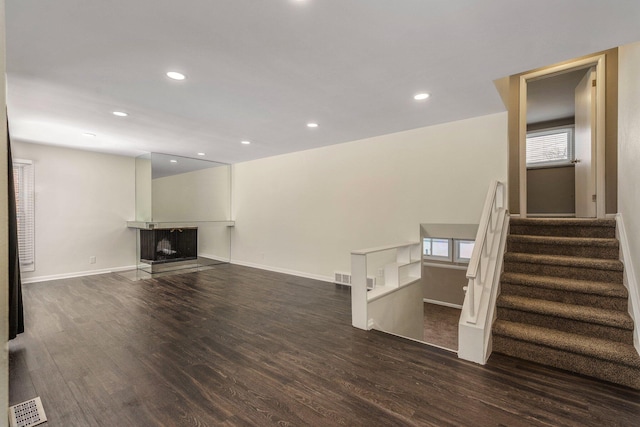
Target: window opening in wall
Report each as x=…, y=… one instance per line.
x=449, y=249
x=436, y=249
x=550, y=147
x=23, y=178
x=462, y=250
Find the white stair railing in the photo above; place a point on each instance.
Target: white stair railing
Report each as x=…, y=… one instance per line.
x=483, y=274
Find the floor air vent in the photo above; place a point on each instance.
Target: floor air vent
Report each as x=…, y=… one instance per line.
x=27, y=414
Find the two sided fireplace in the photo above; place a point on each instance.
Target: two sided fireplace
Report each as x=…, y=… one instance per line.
x=163, y=245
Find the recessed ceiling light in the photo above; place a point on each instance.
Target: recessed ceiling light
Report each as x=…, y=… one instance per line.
x=245, y=142
x=312, y=125
x=421, y=96
x=89, y=135
x=120, y=114
x=200, y=154
x=175, y=75
x=173, y=161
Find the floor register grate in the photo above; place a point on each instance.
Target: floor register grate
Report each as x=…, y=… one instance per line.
x=27, y=414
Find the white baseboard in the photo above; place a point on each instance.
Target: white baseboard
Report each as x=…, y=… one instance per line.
x=442, y=303
x=37, y=279
x=329, y=279
x=629, y=279
x=214, y=257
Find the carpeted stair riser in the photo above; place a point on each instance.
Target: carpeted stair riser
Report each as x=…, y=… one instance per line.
x=597, y=232
x=604, y=250
x=566, y=325
x=598, y=368
x=564, y=227
x=581, y=273
x=567, y=297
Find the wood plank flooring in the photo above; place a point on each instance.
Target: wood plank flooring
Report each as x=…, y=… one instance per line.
x=234, y=346
x=441, y=326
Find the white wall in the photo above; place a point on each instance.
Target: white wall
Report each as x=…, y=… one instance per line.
x=629, y=149
x=82, y=200
x=304, y=212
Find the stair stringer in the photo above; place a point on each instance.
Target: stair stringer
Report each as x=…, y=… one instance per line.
x=629, y=280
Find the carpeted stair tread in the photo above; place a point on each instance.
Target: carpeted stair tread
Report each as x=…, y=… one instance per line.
x=573, y=241
x=566, y=261
x=598, y=348
x=594, y=315
x=566, y=284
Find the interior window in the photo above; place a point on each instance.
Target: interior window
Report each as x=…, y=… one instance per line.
x=550, y=147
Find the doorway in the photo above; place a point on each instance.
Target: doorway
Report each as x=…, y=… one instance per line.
x=561, y=136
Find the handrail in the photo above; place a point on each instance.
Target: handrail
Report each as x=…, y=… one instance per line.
x=490, y=223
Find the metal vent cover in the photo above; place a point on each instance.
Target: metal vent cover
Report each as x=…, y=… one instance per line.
x=27, y=414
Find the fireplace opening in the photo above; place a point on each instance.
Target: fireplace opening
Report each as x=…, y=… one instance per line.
x=163, y=245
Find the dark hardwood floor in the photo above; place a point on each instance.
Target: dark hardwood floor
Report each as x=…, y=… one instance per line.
x=239, y=346
x=441, y=326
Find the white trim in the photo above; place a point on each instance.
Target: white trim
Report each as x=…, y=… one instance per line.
x=599, y=62
x=442, y=303
x=214, y=257
x=443, y=265
x=629, y=280
x=329, y=279
x=418, y=341
x=38, y=279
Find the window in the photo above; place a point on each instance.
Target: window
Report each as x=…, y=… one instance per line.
x=463, y=249
x=25, y=210
x=550, y=147
x=436, y=249
x=452, y=250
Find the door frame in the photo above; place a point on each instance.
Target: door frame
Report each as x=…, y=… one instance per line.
x=597, y=61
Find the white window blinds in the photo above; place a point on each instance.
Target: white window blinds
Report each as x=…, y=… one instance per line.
x=23, y=179
x=550, y=147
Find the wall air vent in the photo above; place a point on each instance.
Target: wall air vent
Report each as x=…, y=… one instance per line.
x=345, y=279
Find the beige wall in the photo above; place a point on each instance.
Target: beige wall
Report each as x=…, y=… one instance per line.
x=551, y=190
x=82, y=202
x=304, y=212
x=629, y=156
x=143, y=188
x=203, y=195
x=444, y=284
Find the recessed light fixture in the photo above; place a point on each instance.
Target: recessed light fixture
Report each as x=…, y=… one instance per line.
x=175, y=75
x=120, y=114
x=89, y=135
x=245, y=142
x=173, y=161
x=312, y=125
x=200, y=154
x=421, y=96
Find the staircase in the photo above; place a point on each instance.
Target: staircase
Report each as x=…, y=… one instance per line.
x=562, y=302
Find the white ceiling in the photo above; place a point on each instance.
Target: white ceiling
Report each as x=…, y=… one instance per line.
x=261, y=69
